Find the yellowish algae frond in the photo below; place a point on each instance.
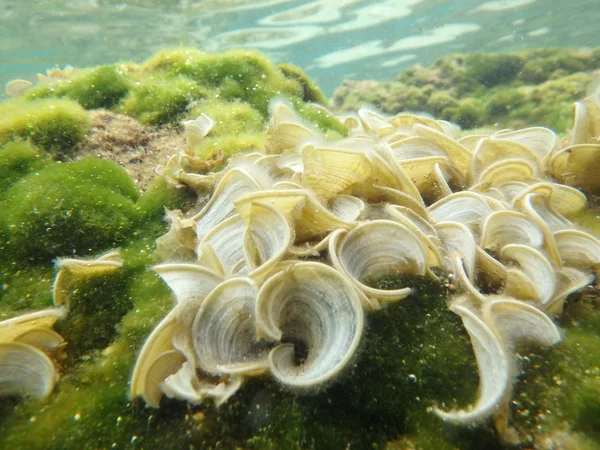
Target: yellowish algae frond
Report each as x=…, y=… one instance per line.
x=308, y=256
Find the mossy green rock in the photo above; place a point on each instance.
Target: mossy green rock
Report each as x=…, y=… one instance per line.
x=511, y=90
x=68, y=209
x=52, y=124
x=17, y=159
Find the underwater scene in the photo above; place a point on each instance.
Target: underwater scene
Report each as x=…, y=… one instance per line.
x=285, y=224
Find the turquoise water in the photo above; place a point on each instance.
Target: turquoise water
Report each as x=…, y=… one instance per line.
x=331, y=40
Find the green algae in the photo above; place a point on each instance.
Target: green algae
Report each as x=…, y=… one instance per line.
x=561, y=393
x=24, y=289
x=78, y=208
x=510, y=90
x=158, y=100
x=310, y=91
x=53, y=124
x=17, y=159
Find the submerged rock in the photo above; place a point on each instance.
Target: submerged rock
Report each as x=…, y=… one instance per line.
x=512, y=90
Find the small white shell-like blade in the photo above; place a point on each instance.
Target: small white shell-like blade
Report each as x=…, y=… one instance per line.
x=491, y=273
x=577, y=166
x=459, y=155
x=462, y=280
x=538, y=139
x=578, y=249
x=514, y=322
x=512, y=189
x=25, y=370
x=396, y=197
x=466, y=207
x=45, y=318
x=509, y=227
x=207, y=257
x=329, y=170
x=314, y=221
x=314, y=304
x=423, y=230
x=188, y=281
x=494, y=371
x=266, y=239
x=165, y=364
x=40, y=338
x=156, y=344
x=374, y=123
x=377, y=249
x=196, y=130
x=457, y=238
x=512, y=169
x=227, y=241
x=286, y=131
x=16, y=88
x=346, y=207
x=569, y=280
x=385, y=171
x=492, y=150
x=234, y=184
x=415, y=147
x=224, y=330
x=405, y=122
x=535, y=266
x=441, y=175
x=183, y=385
x=286, y=201
x=519, y=285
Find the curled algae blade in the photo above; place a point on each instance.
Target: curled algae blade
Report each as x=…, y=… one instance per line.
x=516, y=322
x=188, y=281
x=535, y=266
x=377, y=249
x=267, y=238
x=25, y=370
x=494, y=371
x=313, y=304
x=224, y=330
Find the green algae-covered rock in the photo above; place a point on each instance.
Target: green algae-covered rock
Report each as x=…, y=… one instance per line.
x=52, y=124
x=17, y=159
x=74, y=208
x=163, y=100
x=512, y=90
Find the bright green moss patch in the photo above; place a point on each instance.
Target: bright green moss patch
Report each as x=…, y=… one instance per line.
x=232, y=118
x=77, y=208
x=24, y=289
x=505, y=90
x=310, y=91
x=160, y=195
x=232, y=144
x=17, y=159
x=161, y=100
x=561, y=391
x=55, y=125
x=103, y=87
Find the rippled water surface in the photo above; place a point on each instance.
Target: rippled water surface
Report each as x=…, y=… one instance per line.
x=332, y=40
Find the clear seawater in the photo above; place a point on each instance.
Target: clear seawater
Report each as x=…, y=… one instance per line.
x=331, y=40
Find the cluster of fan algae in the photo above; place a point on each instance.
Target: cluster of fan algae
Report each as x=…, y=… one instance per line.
x=275, y=272
x=318, y=263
